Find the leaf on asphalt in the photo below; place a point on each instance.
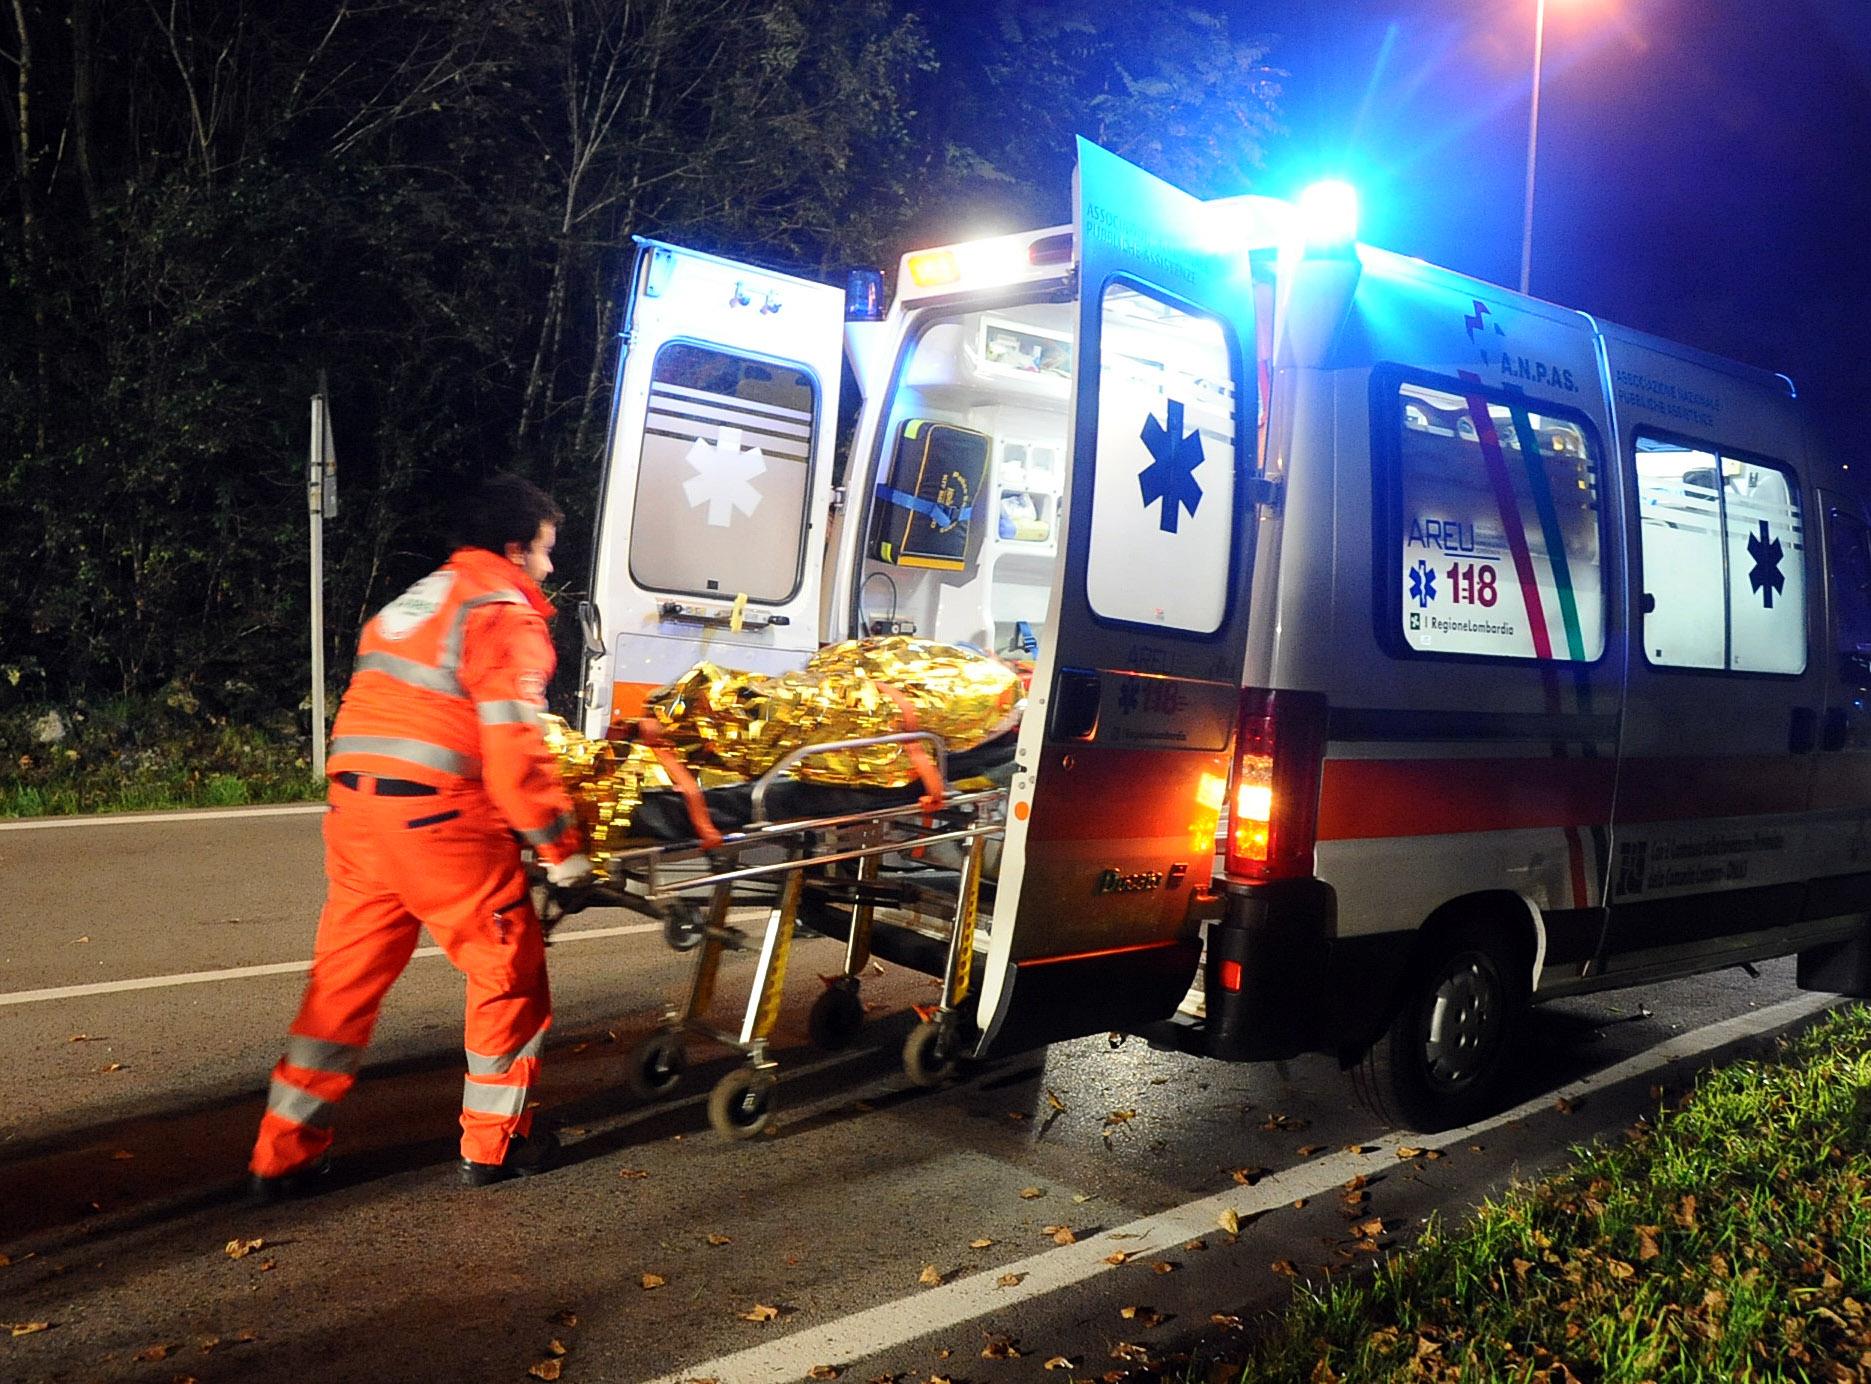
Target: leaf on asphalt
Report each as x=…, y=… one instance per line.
x=1145, y=1317
x=1358, y=1183
x=652, y=1280
x=566, y=1318
x=240, y=1249
x=930, y=1277
x=633, y=1172
x=555, y=1346
x=825, y=1372
x=156, y=1352
x=1029, y=1193
x=1406, y=1151
x=1285, y=1266
x=1017, y=1115
x=1162, y=1266
x=1118, y=1117
x=1686, y=1212
x=1080, y=1198
x=1195, y=1246
x=1277, y=1121
x=1122, y=1256
x=982, y=1243
x=1054, y=1104
x=1060, y=1362
x=1647, y=1247
x=547, y=1368
x=1247, y=1177
x=1360, y=1148
x=761, y=1313
x=715, y=1238
x=1564, y=1106
x=1307, y=1150
x=1300, y=1205
x=122, y=1156
x=1229, y=1220
x=1001, y=1348
x=1064, y=1236
x=1225, y=1320
x=1124, y=1350
x=110, y=1067
x=266, y=1266
x=1374, y=1226
x=1010, y=1280
x=28, y=1328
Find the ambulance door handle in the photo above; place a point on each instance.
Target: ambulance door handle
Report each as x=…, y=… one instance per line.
x=1804, y=732
x=1075, y=699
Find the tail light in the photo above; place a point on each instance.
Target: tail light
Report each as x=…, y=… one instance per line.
x=1273, y=802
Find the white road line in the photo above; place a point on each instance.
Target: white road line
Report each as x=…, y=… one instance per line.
x=276, y=968
x=137, y=819
x=893, y=1324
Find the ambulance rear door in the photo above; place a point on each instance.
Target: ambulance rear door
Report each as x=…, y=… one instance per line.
x=1123, y=753
x=712, y=517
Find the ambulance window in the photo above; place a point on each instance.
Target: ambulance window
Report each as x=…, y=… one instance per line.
x=1499, y=529
x=1162, y=508
x=1723, y=560
x=723, y=479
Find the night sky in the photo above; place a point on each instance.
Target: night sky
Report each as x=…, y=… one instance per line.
x=1704, y=166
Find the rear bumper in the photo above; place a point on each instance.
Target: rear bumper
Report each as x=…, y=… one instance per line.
x=1300, y=988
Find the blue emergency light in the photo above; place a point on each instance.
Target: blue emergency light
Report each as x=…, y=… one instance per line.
x=1328, y=213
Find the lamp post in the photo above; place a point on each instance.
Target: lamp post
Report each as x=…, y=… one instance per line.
x=1533, y=142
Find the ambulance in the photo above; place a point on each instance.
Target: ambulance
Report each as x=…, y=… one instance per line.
x=1508, y=654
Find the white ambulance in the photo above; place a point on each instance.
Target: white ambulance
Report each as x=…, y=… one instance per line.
x=1513, y=654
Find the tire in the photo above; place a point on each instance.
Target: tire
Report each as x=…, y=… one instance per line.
x=837, y=1016
x=742, y=1103
x=1449, y=1050
x=657, y=1064
x=682, y=926
x=928, y=1056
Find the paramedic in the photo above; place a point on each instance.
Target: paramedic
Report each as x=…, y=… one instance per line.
x=438, y=771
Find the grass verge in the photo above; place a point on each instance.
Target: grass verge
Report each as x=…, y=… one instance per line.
x=146, y=756
x=1728, y=1238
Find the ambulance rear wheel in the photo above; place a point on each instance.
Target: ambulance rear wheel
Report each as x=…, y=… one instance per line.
x=657, y=1064
x=1448, y=1052
x=837, y=1016
x=929, y=1055
x=742, y=1103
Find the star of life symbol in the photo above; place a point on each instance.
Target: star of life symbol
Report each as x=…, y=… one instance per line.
x=723, y=478
x=1765, y=576
x=1422, y=583
x=1171, y=477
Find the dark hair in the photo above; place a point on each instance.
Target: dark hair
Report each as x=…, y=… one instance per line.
x=503, y=509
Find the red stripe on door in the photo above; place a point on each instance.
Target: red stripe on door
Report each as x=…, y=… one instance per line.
x=1362, y=798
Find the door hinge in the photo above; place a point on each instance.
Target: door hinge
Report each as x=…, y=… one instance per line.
x=1264, y=490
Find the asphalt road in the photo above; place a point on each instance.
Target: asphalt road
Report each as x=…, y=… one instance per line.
x=879, y=1230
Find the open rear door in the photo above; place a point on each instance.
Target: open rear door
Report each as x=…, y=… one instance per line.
x=1123, y=757
x=712, y=519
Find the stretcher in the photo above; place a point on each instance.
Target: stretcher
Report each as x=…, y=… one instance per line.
x=830, y=860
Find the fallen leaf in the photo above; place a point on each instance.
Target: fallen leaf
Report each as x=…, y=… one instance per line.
x=1226, y=1321
x=1647, y=1247
x=633, y=1172
x=87, y=1038
x=28, y=1328
x=1057, y=1106
x=155, y=1352
x=1360, y=1149
x=122, y=1156
x=1405, y=1151
x=824, y=1372
x=1001, y=1349
x=1145, y=1317
x=1118, y=1117
x=1195, y=1246
x=980, y=1244
x=1230, y=1221
x=1060, y=1362
x=1124, y=1350
x=716, y=1239
x=1080, y=1198
x=1017, y=1115
x=1285, y=1266
x=240, y=1249
x=555, y=1346
x=930, y=1276
x=1162, y=1266
x=1300, y=1205
x=1010, y=1280
x=110, y=1067
x=1619, y=1269
x=1064, y=1236
x=1307, y=1150
x=1686, y=1212
x=1374, y=1226
x=1564, y=1106
x=1247, y=1177
x=566, y=1318
x=547, y=1369
x=761, y=1313
x=1357, y=1183
x=85, y=938
x=1121, y=1257
x=266, y=1266
x=652, y=1280
x=1029, y=1193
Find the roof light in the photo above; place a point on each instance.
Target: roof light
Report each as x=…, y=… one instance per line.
x=933, y=268
x=1328, y=213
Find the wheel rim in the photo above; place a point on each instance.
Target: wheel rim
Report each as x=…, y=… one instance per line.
x=751, y=1104
x=1464, y=1021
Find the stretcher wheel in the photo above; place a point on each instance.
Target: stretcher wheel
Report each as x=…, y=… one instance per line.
x=657, y=1064
x=928, y=1055
x=682, y=927
x=837, y=1016
x=742, y=1103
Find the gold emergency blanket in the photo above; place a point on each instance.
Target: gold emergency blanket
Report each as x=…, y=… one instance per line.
x=728, y=726
x=743, y=723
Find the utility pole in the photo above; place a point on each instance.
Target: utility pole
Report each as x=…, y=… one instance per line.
x=321, y=496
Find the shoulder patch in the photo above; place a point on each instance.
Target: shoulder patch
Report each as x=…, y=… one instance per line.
x=400, y=618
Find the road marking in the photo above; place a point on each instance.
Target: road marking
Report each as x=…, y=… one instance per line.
x=275, y=968
x=896, y=1323
x=133, y=819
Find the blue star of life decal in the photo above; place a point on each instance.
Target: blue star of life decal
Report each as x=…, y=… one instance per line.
x=1171, y=477
x=1422, y=583
x=1765, y=575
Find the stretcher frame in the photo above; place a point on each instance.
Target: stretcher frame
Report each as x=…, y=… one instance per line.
x=666, y=882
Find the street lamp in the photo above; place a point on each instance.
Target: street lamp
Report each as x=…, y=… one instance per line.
x=1533, y=140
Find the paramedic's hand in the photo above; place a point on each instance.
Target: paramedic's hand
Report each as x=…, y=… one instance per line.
x=568, y=890
x=573, y=872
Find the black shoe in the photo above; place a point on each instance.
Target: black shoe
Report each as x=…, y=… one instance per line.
x=527, y=1156
x=313, y=1178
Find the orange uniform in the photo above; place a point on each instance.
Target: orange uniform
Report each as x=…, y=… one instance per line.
x=438, y=770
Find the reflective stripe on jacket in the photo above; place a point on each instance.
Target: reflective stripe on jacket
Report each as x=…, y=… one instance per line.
x=449, y=684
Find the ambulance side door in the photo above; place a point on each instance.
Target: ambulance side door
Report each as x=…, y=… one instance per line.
x=1842, y=778
x=712, y=515
x=1123, y=754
